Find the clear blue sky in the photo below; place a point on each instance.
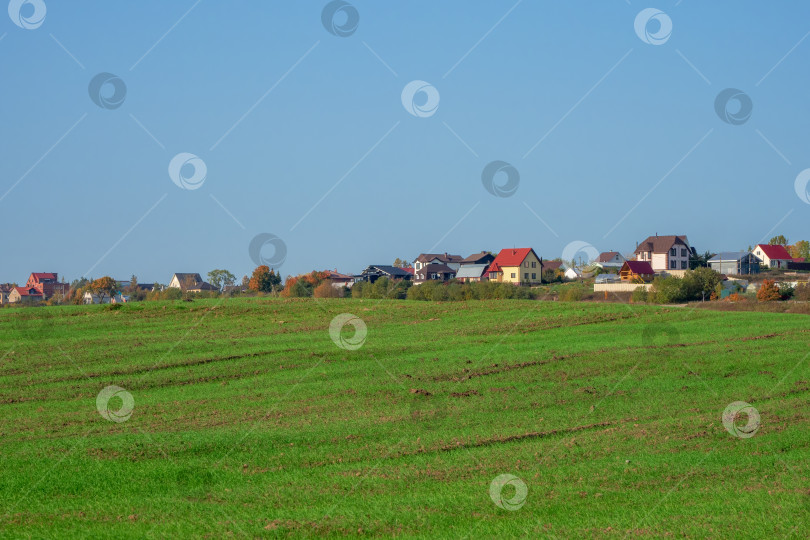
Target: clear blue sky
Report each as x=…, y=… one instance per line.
x=86, y=190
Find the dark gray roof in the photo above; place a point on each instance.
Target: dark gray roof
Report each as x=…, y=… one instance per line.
x=385, y=269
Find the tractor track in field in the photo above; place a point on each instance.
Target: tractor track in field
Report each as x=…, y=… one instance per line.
x=501, y=368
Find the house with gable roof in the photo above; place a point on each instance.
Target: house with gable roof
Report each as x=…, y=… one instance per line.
x=520, y=266
x=190, y=282
x=451, y=261
x=665, y=253
x=773, y=256
x=609, y=259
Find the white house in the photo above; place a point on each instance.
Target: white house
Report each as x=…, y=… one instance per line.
x=451, y=261
x=773, y=256
x=665, y=253
x=609, y=259
x=573, y=273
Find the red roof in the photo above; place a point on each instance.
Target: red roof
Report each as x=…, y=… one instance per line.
x=25, y=291
x=39, y=276
x=775, y=252
x=409, y=269
x=639, y=267
x=512, y=257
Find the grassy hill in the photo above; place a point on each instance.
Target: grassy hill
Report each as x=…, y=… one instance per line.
x=249, y=420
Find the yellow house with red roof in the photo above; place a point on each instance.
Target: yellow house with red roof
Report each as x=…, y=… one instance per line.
x=520, y=266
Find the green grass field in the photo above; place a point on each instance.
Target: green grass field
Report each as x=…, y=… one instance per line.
x=250, y=421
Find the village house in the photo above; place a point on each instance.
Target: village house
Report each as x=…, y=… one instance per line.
x=637, y=272
x=472, y=272
x=433, y=272
x=735, y=263
x=520, y=266
x=665, y=253
x=25, y=294
x=5, y=289
x=424, y=259
x=47, y=283
x=473, y=268
x=609, y=259
x=339, y=280
x=90, y=297
x=484, y=257
x=190, y=282
x=376, y=271
x=773, y=256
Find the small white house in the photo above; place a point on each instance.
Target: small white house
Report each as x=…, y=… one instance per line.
x=573, y=273
x=609, y=259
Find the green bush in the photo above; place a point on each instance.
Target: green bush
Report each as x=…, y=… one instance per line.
x=572, y=294
x=640, y=295
x=437, y=291
x=171, y=293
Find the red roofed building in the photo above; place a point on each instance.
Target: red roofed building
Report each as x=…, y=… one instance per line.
x=773, y=256
x=520, y=266
x=24, y=294
x=637, y=271
x=47, y=283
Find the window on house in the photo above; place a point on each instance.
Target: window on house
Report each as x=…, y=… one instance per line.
x=683, y=252
x=513, y=275
x=673, y=264
x=683, y=265
x=526, y=264
x=673, y=251
x=534, y=264
x=534, y=276
x=526, y=275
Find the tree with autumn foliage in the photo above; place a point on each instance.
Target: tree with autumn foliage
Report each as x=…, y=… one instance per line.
x=264, y=279
x=800, y=250
x=768, y=292
x=105, y=286
x=303, y=285
x=327, y=290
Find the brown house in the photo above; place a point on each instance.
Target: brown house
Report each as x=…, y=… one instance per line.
x=669, y=252
x=637, y=272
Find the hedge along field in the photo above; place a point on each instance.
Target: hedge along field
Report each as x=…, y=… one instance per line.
x=248, y=419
